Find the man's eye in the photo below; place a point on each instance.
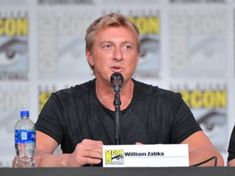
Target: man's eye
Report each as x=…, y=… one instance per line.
x=106, y=46
x=127, y=46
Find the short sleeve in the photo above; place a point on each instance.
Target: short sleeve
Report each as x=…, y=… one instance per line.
x=184, y=123
x=49, y=120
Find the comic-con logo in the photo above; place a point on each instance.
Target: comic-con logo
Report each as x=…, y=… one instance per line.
x=113, y=157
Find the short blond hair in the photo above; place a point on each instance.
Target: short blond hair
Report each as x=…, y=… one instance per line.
x=112, y=19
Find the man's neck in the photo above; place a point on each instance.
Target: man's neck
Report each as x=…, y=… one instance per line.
x=105, y=94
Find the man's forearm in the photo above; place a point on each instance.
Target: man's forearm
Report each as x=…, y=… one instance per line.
x=231, y=162
x=52, y=160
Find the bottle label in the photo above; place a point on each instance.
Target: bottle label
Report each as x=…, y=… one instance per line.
x=25, y=136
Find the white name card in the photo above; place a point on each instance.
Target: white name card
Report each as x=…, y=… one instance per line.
x=158, y=155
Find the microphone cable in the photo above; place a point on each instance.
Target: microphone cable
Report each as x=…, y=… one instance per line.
x=207, y=160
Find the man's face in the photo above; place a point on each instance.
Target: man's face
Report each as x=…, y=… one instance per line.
x=114, y=50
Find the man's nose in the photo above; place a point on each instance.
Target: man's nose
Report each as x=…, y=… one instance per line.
x=117, y=54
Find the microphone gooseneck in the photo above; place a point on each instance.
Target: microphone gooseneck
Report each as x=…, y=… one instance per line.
x=117, y=81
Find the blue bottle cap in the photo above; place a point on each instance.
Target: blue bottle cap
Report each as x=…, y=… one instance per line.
x=24, y=113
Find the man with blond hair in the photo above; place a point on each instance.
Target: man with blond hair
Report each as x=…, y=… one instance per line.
x=81, y=118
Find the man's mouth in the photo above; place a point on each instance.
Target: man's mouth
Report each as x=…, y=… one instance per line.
x=116, y=69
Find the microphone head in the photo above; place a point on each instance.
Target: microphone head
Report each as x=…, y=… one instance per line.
x=117, y=81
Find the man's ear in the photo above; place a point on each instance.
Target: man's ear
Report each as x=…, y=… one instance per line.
x=90, y=58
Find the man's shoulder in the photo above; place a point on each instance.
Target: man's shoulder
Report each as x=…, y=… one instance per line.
x=149, y=90
x=78, y=90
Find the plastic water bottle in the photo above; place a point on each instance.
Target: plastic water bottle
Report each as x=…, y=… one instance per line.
x=25, y=136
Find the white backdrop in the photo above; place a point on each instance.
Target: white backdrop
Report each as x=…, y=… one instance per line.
x=187, y=46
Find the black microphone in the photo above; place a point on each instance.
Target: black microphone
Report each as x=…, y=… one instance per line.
x=117, y=81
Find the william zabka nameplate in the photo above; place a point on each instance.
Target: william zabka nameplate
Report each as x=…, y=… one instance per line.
x=159, y=155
